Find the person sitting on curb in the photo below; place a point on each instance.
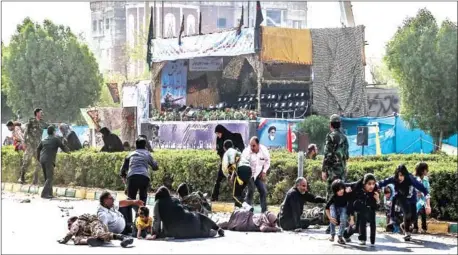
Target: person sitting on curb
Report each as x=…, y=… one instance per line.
x=246, y=221
x=109, y=215
x=89, y=230
x=195, y=201
x=292, y=207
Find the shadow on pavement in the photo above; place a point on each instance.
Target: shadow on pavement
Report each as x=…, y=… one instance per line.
x=433, y=245
x=378, y=247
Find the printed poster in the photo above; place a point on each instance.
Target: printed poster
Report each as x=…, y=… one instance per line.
x=174, y=83
x=273, y=133
x=190, y=134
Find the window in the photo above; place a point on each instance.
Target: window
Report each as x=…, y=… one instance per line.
x=94, y=26
x=221, y=23
x=101, y=26
x=273, y=18
x=107, y=24
x=191, y=25
x=170, y=25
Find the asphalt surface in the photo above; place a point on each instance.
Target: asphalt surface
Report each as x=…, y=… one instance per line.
x=36, y=226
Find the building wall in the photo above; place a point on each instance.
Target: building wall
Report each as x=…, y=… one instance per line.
x=109, y=40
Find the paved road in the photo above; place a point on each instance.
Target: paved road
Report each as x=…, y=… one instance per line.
x=35, y=227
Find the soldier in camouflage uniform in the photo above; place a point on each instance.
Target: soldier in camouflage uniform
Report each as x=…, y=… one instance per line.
x=195, y=201
x=32, y=138
x=335, y=154
x=88, y=229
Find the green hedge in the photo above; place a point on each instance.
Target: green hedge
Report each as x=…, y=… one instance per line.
x=88, y=168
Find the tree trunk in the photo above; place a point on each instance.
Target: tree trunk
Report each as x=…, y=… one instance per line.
x=441, y=136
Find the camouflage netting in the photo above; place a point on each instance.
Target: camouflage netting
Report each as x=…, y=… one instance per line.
x=339, y=84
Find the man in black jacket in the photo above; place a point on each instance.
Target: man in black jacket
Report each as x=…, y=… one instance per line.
x=292, y=207
x=111, y=142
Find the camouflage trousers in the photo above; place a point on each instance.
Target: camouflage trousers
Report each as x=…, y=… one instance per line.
x=98, y=230
x=26, y=161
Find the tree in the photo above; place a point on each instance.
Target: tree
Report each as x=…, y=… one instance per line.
x=317, y=127
x=380, y=73
x=423, y=60
x=7, y=112
x=48, y=67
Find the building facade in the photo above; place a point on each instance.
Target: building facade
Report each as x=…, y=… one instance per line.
x=119, y=26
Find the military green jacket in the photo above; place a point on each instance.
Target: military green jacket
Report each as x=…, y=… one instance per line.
x=47, y=150
x=335, y=154
x=33, y=133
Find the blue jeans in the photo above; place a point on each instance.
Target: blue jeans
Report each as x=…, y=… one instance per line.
x=262, y=189
x=336, y=213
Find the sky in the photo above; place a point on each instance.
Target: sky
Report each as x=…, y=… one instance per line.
x=380, y=18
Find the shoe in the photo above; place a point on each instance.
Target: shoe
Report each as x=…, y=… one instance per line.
x=331, y=239
x=407, y=237
x=127, y=241
x=340, y=240
x=362, y=242
x=221, y=232
x=213, y=233
x=94, y=242
x=348, y=240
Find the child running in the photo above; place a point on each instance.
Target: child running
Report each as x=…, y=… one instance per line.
x=144, y=224
x=404, y=186
x=336, y=208
x=423, y=204
x=364, y=200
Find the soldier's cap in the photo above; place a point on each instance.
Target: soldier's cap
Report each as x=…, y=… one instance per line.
x=334, y=118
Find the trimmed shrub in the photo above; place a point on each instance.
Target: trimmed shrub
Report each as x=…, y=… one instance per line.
x=89, y=168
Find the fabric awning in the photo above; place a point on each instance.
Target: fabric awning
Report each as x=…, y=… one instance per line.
x=286, y=45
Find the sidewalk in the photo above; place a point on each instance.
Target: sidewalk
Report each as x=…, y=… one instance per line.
x=434, y=226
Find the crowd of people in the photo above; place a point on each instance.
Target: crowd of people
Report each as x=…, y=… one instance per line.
x=348, y=206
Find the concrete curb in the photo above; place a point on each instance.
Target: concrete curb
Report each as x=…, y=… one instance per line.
x=220, y=207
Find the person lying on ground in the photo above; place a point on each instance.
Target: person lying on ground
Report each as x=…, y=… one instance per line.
x=117, y=216
x=194, y=201
x=405, y=186
x=89, y=230
x=172, y=220
x=292, y=207
x=144, y=224
x=336, y=208
x=364, y=198
x=247, y=221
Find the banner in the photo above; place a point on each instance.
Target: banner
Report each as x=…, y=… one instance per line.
x=273, y=133
x=190, y=134
x=129, y=96
x=221, y=44
x=206, y=64
x=113, y=87
x=173, y=82
x=143, y=88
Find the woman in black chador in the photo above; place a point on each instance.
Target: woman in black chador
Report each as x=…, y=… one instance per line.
x=178, y=222
x=222, y=134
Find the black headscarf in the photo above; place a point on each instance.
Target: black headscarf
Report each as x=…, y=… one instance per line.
x=236, y=139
